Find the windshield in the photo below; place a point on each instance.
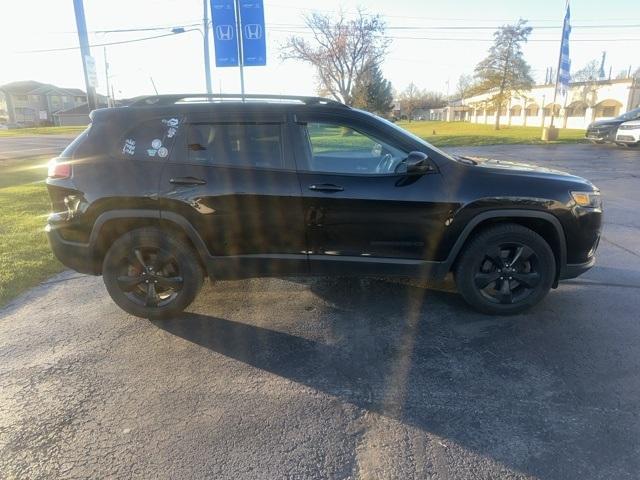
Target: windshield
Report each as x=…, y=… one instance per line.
x=630, y=115
x=408, y=133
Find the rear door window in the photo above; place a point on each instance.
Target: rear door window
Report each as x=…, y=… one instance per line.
x=256, y=145
x=152, y=139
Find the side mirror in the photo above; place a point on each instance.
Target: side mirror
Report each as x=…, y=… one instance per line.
x=418, y=163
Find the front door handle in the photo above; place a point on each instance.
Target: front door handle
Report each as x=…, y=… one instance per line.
x=326, y=187
x=188, y=181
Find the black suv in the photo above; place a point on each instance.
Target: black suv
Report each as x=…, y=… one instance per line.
x=605, y=130
x=158, y=194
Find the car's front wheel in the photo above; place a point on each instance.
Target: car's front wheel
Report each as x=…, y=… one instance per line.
x=505, y=269
x=151, y=274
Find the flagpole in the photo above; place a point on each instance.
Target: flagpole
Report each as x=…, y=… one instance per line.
x=239, y=27
x=555, y=90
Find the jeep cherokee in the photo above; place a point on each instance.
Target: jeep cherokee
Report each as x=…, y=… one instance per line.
x=156, y=195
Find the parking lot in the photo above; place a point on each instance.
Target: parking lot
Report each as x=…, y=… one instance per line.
x=337, y=378
x=29, y=146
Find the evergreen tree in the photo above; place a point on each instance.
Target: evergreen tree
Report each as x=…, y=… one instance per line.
x=373, y=92
x=504, y=71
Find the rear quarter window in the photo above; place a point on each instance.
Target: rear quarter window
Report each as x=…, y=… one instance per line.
x=151, y=139
x=74, y=146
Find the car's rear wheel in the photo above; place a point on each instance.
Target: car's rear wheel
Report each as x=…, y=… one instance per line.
x=505, y=269
x=150, y=274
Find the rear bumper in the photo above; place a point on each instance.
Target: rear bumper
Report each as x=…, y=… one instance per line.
x=573, y=270
x=77, y=256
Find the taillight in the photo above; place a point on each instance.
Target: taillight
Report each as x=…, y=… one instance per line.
x=59, y=169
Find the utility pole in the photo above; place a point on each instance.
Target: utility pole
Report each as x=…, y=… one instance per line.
x=205, y=28
x=106, y=74
x=81, y=24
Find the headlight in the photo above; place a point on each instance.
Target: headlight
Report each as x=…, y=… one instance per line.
x=587, y=199
x=629, y=127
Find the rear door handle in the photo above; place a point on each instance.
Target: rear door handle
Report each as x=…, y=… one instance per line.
x=188, y=181
x=326, y=187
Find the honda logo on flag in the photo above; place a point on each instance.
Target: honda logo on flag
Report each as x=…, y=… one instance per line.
x=224, y=32
x=253, y=31
x=239, y=33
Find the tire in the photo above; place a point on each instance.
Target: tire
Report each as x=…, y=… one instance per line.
x=150, y=274
x=514, y=281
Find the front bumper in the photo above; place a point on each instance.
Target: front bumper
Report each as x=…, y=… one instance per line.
x=573, y=270
x=601, y=134
x=77, y=256
x=628, y=136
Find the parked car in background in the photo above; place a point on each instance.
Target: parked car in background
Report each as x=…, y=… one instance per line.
x=605, y=130
x=156, y=195
x=629, y=134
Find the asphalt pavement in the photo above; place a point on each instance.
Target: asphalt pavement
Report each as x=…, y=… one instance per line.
x=337, y=378
x=30, y=146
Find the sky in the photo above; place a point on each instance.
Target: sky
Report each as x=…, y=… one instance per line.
x=432, y=58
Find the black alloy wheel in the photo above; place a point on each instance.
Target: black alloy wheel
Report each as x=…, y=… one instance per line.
x=150, y=277
x=505, y=269
x=508, y=273
x=152, y=274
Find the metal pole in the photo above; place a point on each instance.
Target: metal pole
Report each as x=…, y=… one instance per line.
x=84, y=51
x=240, y=54
x=205, y=27
x=154, y=84
x=106, y=74
x=555, y=90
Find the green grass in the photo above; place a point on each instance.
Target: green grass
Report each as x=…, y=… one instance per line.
x=458, y=134
x=441, y=134
x=20, y=132
x=25, y=257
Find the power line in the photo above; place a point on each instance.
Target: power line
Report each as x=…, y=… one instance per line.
x=304, y=30
x=105, y=44
x=467, y=27
x=472, y=39
x=148, y=29
x=367, y=14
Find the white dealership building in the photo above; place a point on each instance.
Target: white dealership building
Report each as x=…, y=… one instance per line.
x=584, y=103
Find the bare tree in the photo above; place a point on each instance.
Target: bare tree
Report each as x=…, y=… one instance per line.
x=588, y=76
x=412, y=98
x=589, y=73
x=465, y=87
x=505, y=71
x=342, y=50
x=622, y=74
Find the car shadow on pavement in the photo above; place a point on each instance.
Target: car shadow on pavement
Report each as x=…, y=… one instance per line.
x=422, y=358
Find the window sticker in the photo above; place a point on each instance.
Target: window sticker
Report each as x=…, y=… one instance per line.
x=156, y=143
x=171, y=122
x=151, y=152
x=129, y=146
x=171, y=132
x=163, y=152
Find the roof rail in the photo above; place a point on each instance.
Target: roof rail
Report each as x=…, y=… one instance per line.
x=171, y=99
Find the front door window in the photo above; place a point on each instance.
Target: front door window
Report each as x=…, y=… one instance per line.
x=341, y=149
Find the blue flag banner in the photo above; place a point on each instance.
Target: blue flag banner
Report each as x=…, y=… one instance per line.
x=564, y=70
x=225, y=33
x=254, y=47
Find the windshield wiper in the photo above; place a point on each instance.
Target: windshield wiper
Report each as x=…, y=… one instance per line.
x=466, y=160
